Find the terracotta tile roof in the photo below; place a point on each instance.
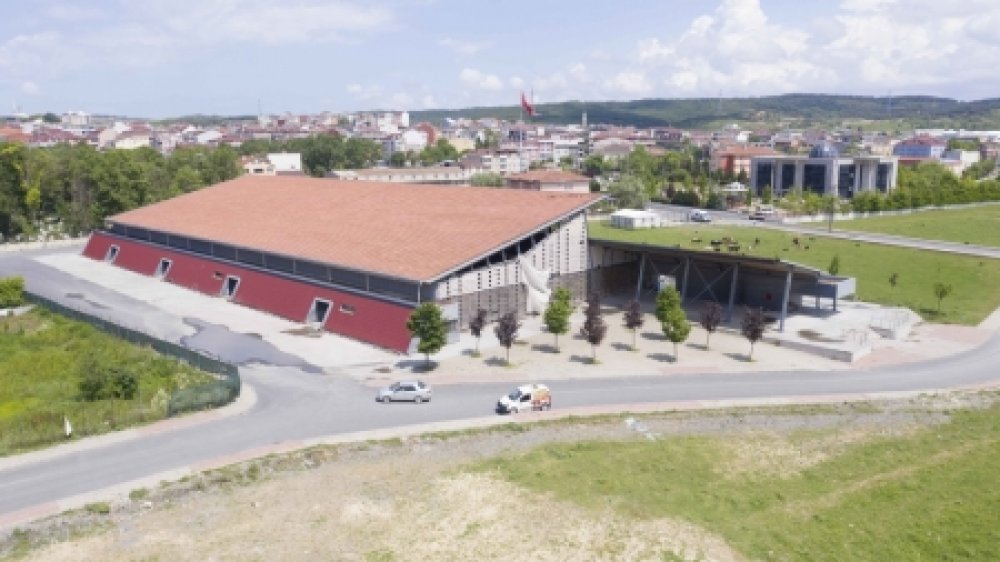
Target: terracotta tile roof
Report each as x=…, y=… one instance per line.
x=746, y=151
x=417, y=232
x=549, y=176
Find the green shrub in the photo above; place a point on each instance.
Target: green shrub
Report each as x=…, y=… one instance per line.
x=100, y=508
x=100, y=382
x=11, y=292
x=92, y=386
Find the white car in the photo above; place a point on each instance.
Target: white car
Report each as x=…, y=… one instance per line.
x=525, y=398
x=405, y=391
x=699, y=215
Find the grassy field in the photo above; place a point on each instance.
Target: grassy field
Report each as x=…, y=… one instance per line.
x=974, y=225
x=45, y=356
x=925, y=494
x=974, y=280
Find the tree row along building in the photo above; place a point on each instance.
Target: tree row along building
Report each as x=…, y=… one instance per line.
x=355, y=258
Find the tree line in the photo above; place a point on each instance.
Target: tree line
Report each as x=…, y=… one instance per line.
x=806, y=109
x=427, y=324
x=321, y=153
x=76, y=186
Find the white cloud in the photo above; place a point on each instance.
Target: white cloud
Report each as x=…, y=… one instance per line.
x=220, y=21
x=516, y=82
x=652, y=49
x=30, y=88
x=467, y=48
x=579, y=73
x=72, y=12
x=865, y=5
x=864, y=46
x=480, y=80
x=428, y=102
x=630, y=82
x=147, y=33
x=370, y=94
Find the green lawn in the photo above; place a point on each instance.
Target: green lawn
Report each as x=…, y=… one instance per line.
x=975, y=281
x=975, y=225
x=927, y=496
x=44, y=357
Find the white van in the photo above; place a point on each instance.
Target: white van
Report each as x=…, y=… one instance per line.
x=525, y=398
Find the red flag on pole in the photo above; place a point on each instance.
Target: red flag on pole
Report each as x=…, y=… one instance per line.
x=530, y=109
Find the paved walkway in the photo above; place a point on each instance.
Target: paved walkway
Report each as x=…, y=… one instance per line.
x=534, y=356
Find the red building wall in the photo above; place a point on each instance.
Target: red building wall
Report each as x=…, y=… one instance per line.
x=373, y=321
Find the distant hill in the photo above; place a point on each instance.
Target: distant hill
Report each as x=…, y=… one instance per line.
x=791, y=110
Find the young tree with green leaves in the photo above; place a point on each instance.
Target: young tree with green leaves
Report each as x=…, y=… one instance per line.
x=628, y=192
x=671, y=315
x=711, y=318
x=834, y=265
x=486, y=179
x=753, y=327
x=563, y=295
x=556, y=317
x=427, y=324
x=506, y=331
x=594, y=328
x=397, y=159
x=634, y=319
x=476, y=326
x=941, y=291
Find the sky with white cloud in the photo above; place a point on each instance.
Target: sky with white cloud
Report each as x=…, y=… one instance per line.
x=161, y=58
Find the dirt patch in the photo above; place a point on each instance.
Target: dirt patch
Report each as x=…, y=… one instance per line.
x=783, y=455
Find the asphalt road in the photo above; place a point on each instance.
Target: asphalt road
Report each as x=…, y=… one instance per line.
x=297, y=403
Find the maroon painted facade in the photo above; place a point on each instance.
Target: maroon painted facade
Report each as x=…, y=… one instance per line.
x=369, y=320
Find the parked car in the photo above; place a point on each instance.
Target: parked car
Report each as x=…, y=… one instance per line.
x=699, y=215
x=528, y=397
x=405, y=391
x=757, y=216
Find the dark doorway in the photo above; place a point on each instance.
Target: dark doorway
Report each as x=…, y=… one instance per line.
x=163, y=268
x=318, y=312
x=229, y=287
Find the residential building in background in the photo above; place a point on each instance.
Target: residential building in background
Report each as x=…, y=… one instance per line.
x=550, y=180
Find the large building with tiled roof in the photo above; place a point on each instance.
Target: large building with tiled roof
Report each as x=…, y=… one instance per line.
x=550, y=180
x=356, y=257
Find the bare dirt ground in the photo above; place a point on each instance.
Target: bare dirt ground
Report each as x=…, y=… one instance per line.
x=418, y=499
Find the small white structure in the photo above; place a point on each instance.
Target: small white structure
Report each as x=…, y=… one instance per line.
x=633, y=219
x=285, y=162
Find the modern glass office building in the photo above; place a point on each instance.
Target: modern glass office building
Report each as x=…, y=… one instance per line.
x=824, y=172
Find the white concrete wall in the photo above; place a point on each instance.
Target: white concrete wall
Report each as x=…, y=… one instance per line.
x=563, y=251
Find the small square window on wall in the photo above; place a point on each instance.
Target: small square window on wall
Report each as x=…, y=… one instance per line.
x=347, y=308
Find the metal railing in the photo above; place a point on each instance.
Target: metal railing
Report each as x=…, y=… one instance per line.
x=220, y=392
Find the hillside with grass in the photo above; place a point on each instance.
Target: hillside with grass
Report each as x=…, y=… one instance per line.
x=792, y=110
x=979, y=225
